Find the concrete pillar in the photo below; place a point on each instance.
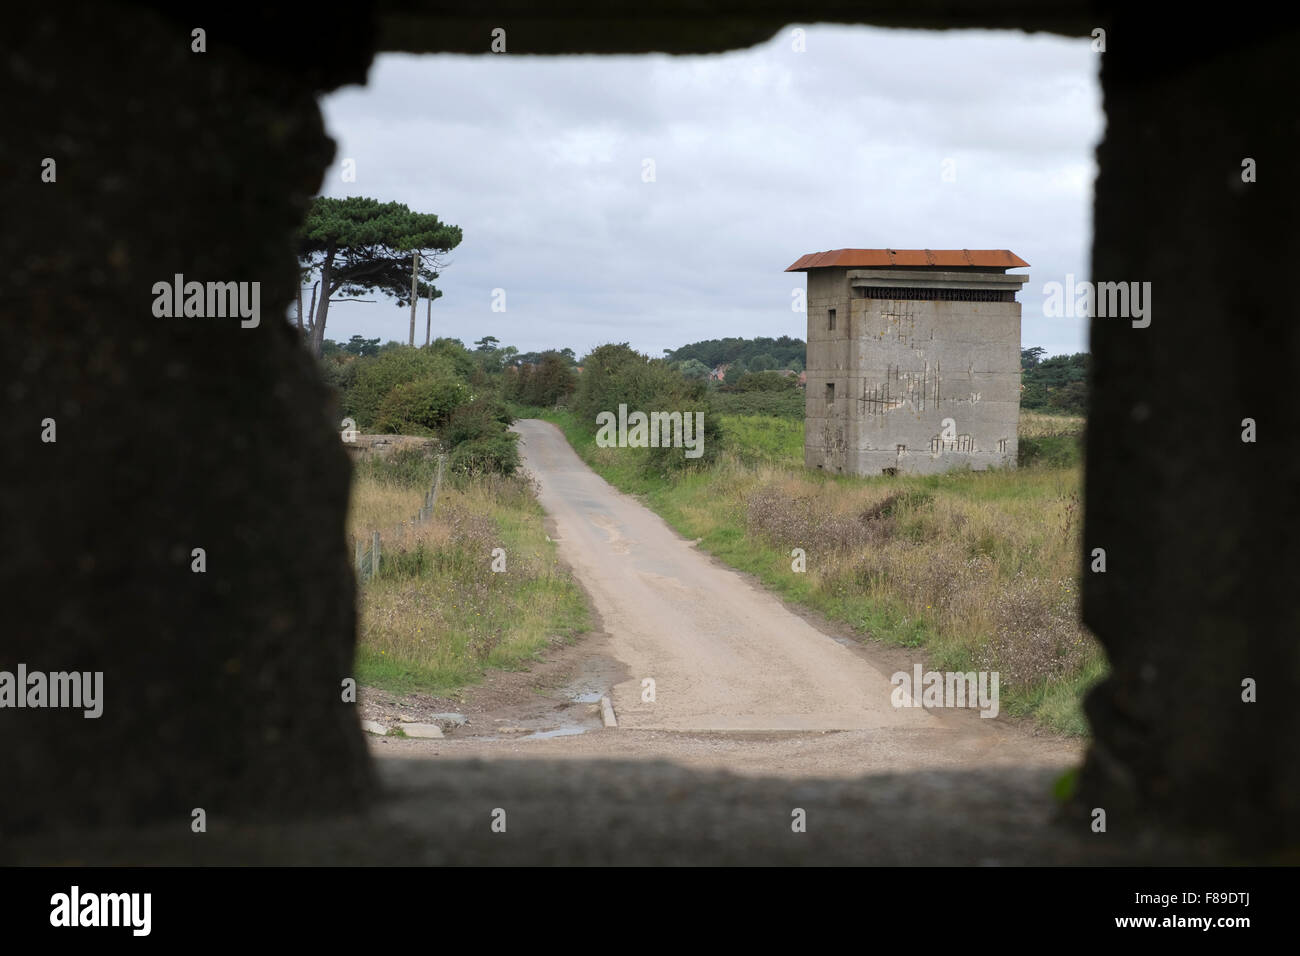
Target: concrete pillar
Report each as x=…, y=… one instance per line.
x=221, y=689
x=1199, y=527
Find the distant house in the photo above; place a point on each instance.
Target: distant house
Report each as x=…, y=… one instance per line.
x=803, y=379
x=719, y=373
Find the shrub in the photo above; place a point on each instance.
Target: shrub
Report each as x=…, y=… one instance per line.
x=377, y=377
x=339, y=371
x=544, y=383
x=484, y=417
x=665, y=460
x=455, y=352
x=552, y=381
x=1053, y=451
x=490, y=454
x=616, y=375
x=420, y=407
x=785, y=404
x=767, y=382
x=607, y=379
x=518, y=383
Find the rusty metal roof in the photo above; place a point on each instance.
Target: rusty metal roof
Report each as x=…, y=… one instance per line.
x=941, y=258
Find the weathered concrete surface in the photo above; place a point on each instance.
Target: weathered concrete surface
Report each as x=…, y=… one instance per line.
x=920, y=385
x=381, y=446
x=425, y=731
x=613, y=813
x=1199, y=528
x=221, y=689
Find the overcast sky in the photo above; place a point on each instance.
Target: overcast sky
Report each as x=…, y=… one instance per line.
x=759, y=156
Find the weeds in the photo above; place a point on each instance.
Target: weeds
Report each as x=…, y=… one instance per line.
x=437, y=616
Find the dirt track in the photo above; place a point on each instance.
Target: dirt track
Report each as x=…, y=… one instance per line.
x=742, y=682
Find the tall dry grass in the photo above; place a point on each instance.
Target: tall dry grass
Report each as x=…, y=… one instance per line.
x=379, y=505
x=437, y=615
x=989, y=562
x=1042, y=425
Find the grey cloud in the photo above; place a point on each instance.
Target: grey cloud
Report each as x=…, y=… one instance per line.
x=761, y=155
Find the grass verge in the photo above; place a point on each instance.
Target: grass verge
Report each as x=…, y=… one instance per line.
x=437, y=616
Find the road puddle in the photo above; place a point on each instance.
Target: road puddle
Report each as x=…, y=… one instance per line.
x=569, y=731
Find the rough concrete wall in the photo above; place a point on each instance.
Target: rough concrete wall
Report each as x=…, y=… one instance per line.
x=687, y=26
x=1199, y=527
x=222, y=690
x=917, y=363
x=607, y=812
x=382, y=446
x=827, y=428
x=900, y=368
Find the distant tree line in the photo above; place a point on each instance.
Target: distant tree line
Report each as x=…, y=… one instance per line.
x=535, y=358
x=463, y=395
x=760, y=354
x=1056, y=384
x=546, y=382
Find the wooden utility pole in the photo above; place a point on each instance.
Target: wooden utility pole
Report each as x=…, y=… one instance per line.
x=311, y=317
x=415, y=275
x=428, y=318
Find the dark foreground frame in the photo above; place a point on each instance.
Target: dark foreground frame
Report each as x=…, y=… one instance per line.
x=223, y=688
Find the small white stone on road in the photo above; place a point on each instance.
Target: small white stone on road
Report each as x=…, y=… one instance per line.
x=423, y=730
x=607, y=713
x=374, y=727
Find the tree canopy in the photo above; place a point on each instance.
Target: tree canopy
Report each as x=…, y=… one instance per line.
x=358, y=245
x=783, y=352
x=1058, y=383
